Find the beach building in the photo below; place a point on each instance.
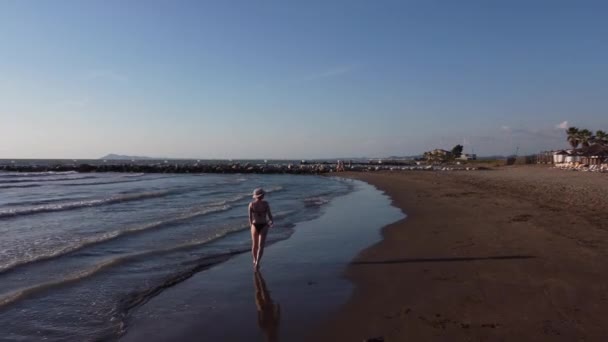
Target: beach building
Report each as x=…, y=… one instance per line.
x=588, y=158
x=560, y=156
x=551, y=157
x=556, y=157
x=572, y=157
x=467, y=156
x=593, y=155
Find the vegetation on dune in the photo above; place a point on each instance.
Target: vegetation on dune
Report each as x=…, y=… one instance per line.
x=585, y=137
x=572, y=133
x=601, y=138
x=457, y=151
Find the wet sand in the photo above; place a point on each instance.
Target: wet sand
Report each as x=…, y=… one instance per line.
x=300, y=284
x=516, y=253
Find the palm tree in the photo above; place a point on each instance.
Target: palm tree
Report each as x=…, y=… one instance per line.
x=573, y=137
x=585, y=137
x=601, y=138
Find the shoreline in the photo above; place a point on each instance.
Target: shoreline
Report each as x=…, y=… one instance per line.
x=301, y=282
x=482, y=256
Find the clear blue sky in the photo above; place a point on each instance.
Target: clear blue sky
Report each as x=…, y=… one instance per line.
x=306, y=79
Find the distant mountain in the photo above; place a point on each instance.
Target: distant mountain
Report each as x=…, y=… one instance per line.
x=113, y=156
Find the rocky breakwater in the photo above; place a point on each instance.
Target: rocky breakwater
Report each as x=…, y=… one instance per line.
x=176, y=168
x=185, y=167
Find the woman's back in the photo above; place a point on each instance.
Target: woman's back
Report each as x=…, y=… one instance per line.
x=259, y=211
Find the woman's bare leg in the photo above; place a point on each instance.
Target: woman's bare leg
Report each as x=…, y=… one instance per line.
x=261, y=244
x=255, y=245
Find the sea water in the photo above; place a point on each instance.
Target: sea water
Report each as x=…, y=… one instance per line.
x=78, y=251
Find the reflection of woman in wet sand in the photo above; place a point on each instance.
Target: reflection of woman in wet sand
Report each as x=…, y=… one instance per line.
x=269, y=313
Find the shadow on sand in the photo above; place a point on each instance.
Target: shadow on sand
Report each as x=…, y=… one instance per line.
x=455, y=259
x=269, y=313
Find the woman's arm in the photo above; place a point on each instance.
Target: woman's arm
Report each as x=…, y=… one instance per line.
x=249, y=214
x=270, y=215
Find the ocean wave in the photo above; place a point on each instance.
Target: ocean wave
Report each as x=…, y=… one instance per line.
x=231, y=180
x=35, y=185
x=272, y=189
x=117, y=181
x=276, y=188
x=240, y=196
x=324, y=197
x=20, y=186
x=82, y=204
x=138, y=298
x=134, y=175
x=42, y=202
x=316, y=201
x=22, y=293
x=47, y=179
x=103, y=181
x=100, y=183
x=36, y=174
x=234, y=199
x=115, y=234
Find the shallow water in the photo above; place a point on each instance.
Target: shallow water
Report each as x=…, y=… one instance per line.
x=300, y=284
x=79, y=251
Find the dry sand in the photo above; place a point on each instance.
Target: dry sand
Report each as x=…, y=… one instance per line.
x=516, y=253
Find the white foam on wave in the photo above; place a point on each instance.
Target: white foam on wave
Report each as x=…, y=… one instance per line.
x=21, y=293
x=233, y=199
x=242, y=196
x=100, y=181
x=123, y=179
x=316, y=201
x=44, y=179
x=110, y=235
x=43, y=201
x=78, y=275
x=36, y=174
x=81, y=204
x=129, y=175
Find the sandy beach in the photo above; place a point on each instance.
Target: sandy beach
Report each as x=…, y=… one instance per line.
x=513, y=253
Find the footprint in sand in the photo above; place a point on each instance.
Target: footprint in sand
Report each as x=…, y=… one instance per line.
x=521, y=218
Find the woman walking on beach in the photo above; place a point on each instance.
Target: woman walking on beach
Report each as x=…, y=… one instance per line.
x=259, y=211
